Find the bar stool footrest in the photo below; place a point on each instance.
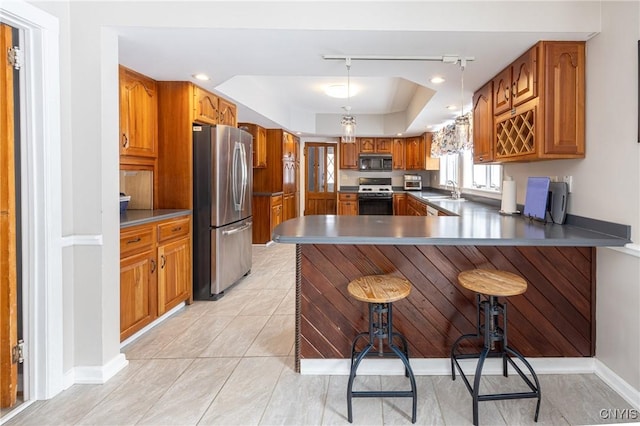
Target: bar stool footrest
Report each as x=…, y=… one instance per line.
x=382, y=394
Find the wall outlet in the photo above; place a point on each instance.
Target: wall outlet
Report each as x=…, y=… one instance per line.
x=569, y=181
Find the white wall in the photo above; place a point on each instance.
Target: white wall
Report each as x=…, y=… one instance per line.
x=90, y=111
x=607, y=182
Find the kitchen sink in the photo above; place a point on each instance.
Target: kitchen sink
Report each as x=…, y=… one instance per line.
x=442, y=198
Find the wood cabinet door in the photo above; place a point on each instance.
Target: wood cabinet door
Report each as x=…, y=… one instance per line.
x=137, y=290
x=138, y=114
x=260, y=148
x=502, y=91
x=227, y=113
x=348, y=208
x=288, y=206
x=367, y=145
x=483, y=141
x=414, y=153
x=206, y=106
x=399, y=204
x=564, y=86
x=348, y=155
x=524, y=77
x=289, y=146
x=384, y=145
x=276, y=216
x=398, y=154
x=174, y=273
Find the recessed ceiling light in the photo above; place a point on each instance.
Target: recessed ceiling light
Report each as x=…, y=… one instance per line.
x=437, y=80
x=452, y=107
x=201, y=76
x=398, y=134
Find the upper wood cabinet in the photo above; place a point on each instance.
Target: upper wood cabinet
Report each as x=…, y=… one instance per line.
x=375, y=145
x=483, y=142
x=205, y=106
x=212, y=109
x=516, y=84
x=289, y=146
x=228, y=112
x=348, y=156
x=398, y=154
x=414, y=153
x=259, y=134
x=551, y=124
x=384, y=145
x=138, y=114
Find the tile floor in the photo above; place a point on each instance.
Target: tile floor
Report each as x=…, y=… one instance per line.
x=230, y=362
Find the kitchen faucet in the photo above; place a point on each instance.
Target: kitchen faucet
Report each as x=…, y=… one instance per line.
x=455, y=192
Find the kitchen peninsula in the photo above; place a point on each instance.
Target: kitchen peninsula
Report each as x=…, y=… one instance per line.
x=554, y=318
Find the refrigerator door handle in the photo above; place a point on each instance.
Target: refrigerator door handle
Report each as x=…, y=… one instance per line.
x=236, y=230
x=244, y=176
x=237, y=155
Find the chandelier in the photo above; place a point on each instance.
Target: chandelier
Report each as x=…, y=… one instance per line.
x=348, y=121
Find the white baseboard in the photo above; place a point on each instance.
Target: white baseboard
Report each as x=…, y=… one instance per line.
x=624, y=389
x=95, y=375
x=442, y=366
x=138, y=334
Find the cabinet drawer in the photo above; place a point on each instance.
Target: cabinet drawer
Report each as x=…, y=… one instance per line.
x=347, y=196
x=173, y=229
x=276, y=200
x=135, y=240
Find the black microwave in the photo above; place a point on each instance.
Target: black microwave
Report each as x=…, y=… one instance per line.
x=375, y=162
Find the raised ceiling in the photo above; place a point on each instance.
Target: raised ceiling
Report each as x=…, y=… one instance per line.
x=274, y=69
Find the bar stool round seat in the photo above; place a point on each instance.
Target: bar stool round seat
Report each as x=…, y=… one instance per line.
x=491, y=284
x=380, y=291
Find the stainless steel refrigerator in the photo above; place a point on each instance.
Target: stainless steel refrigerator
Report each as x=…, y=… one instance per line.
x=222, y=191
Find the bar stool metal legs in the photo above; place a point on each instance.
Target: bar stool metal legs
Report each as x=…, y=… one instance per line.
x=382, y=331
x=493, y=333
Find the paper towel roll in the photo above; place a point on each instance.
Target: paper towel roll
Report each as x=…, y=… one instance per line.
x=508, y=196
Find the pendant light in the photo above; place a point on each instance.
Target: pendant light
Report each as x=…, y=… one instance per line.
x=462, y=122
x=348, y=121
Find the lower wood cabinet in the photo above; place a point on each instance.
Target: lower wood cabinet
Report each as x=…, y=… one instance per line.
x=348, y=203
x=400, y=204
x=155, y=271
x=268, y=212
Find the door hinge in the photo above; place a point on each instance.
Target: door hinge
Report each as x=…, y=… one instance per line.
x=17, y=353
x=16, y=59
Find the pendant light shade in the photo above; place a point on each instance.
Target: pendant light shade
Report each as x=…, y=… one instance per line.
x=348, y=121
x=462, y=122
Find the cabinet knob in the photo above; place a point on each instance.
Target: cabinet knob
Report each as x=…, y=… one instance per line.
x=153, y=266
x=134, y=241
x=125, y=141
x=164, y=261
x=514, y=89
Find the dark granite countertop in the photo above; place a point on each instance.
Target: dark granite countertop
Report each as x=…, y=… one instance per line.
x=139, y=217
x=476, y=223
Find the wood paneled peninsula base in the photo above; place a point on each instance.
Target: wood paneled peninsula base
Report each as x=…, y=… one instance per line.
x=554, y=318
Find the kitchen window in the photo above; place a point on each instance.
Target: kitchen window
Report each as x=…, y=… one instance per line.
x=459, y=168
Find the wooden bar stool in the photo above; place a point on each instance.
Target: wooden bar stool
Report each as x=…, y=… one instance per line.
x=493, y=284
x=379, y=291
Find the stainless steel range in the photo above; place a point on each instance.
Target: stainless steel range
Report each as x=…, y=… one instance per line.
x=375, y=196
